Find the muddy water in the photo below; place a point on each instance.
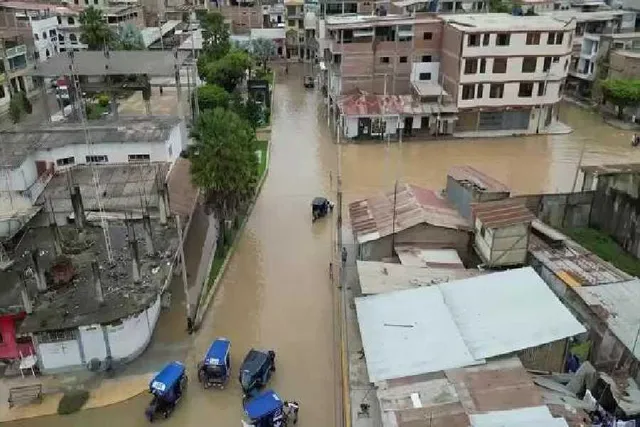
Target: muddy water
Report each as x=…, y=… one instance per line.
x=276, y=292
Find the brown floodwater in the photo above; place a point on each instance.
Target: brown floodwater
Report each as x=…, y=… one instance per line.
x=276, y=293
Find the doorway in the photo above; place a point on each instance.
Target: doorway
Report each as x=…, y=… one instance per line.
x=408, y=125
x=364, y=127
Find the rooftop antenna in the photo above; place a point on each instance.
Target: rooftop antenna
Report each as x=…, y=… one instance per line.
x=94, y=172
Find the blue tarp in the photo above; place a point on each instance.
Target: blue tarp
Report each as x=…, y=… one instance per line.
x=166, y=379
x=218, y=351
x=263, y=404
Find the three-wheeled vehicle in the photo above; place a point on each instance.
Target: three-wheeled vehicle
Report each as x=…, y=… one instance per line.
x=268, y=410
x=309, y=82
x=320, y=207
x=256, y=370
x=167, y=388
x=215, y=369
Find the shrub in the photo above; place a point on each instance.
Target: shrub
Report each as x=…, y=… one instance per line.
x=103, y=99
x=72, y=401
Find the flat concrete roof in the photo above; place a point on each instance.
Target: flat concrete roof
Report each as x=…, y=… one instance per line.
x=506, y=22
x=92, y=63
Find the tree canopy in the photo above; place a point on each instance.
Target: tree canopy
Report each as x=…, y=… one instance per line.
x=130, y=38
x=263, y=50
x=215, y=34
x=223, y=160
x=228, y=71
x=621, y=93
x=95, y=31
x=212, y=96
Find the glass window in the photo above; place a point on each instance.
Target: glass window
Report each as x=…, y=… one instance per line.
x=468, y=91
x=525, y=90
x=529, y=64
x=499, y=65
x=496, y=90
x=503, y=39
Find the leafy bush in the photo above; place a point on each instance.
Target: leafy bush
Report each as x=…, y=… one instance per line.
x=72, y=401
x=103, y=100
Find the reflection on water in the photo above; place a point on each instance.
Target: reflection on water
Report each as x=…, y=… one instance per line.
x=276, y=294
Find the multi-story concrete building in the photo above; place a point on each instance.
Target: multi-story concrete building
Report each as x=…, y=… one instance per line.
x=44, y=27
x=589, y=28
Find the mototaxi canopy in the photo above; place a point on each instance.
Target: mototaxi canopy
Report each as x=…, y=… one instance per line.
x=164, y=382
x=265, y=404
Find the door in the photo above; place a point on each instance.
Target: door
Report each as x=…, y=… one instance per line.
x=408, y=125
x=364, y=127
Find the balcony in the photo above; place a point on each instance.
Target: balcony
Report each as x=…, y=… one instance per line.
x=12, y=52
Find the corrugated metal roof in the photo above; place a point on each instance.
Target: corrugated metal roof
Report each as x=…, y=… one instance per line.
x=379, y=277
x=413, y=256
x=617, y=303
x=372, y=218
x=521, y=417
x=611, y=169
x=500, y=313
x=458, y=323
x=502, y=213
x=361, y=104
x=408, y=333
x=472, y=176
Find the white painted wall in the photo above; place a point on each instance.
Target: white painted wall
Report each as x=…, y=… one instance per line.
x=93, y=342
x=350, y=126
x=518, y=45
x=425, y=67
x=42, y=28
x=19, y=179
x=511, y=97
x=129, y=339
x=57, y=355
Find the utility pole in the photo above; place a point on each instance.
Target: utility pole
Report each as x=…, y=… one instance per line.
x=183, y=267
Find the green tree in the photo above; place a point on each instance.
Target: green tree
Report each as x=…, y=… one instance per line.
x=19, y=105
x=621, y=93
x=215, y=34
x=130, y=38
x=228, y=71
x=499, y=6
x=224, y=162
x=263, y=50
x=213, y=96
x=95, y=31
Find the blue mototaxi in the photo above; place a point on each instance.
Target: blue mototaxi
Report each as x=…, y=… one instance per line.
x=267, y=410
x=215, y=369
x=167, y=388
x=256, y=370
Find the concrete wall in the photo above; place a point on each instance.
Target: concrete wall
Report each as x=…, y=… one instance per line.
x=423, y=235
x=502, y=246
x=123, y=341
x=462, y=197
x=616, y=210
x=562, y=210
x=547, y=357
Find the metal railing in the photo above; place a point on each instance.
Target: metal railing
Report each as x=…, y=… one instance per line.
x=15, y=51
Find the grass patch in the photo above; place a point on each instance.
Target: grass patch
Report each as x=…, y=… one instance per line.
x=72, y=401
x=263, y=146
x=606, y=248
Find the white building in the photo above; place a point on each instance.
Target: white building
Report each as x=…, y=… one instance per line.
x=589, y=26
x=45, y=32
x=505, y=72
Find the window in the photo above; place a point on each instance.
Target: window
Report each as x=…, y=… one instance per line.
x=547, y=64
x=72, y=38
x=529, y=64
x=291, y=23
x=542, y=89
x=427, y=36
x=95, y=2
x=555, y=38
x=46, y=52
x=59, y=20
x=483, y=65
x=479, y=92
x=496, y=90
x=503, y=39
x=2, y=94
x=525, y=90
x=384, y=59
x=424, y=76
x=425, y=58
x=485, y=39
x=44, y=35
x=556, y=59
x=66, y=161
x=52, y=33
x=97, y=159
x=71, y=21
x=56, y=336
x=139, y=157
x=470, y=66
x=473, y=40
x=467, y=91
x=533, y=38
x=36, y=37
x=499, y=65
x=403, y=59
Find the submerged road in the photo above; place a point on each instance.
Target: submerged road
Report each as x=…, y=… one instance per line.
x=276, y=293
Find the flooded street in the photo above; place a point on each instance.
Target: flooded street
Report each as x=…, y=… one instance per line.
x=276, y=293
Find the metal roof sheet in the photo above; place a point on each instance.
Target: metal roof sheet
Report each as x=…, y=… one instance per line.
x=379, y=277
x=459, y=323
x=409, y=333
x=502, y=213
x=611, y=169
x=503, y=312
x=482, y=181
x=372, y=218
x=411, y=255
x=617, y=304
x=521, y=417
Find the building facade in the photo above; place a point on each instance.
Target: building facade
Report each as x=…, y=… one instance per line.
x=505, y=72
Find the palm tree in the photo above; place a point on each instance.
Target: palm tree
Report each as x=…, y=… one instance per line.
x=96, y=33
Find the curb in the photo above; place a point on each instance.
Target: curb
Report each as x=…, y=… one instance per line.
x=208, y=297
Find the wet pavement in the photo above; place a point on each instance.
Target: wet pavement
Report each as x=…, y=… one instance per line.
x=276, y=292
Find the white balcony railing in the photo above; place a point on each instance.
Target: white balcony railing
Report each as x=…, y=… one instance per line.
x=16, y=51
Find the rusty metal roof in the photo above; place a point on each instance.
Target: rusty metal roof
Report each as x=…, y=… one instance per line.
x=372, y=218
x=469, y=175
x=360, y=103
x=502, y=213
